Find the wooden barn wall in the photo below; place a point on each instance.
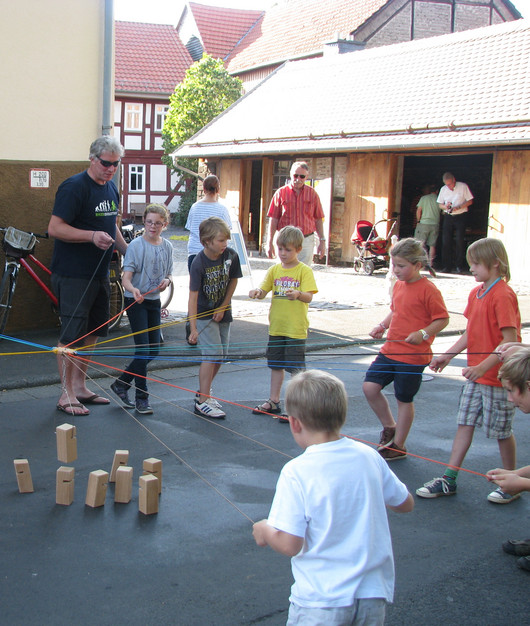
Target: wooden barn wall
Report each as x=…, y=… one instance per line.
x=369, y=194
x=266, y=197
x=229, y=174
x=509, y=218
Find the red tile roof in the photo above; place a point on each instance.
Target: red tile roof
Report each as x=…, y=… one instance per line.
x=221, y=29
x=295, y=28
x=150, y=58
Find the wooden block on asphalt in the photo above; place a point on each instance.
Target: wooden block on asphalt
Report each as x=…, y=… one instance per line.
x=64, y=485
x=148, y=494
x=66, y=443
x=123, y=491
x=121, y=457
x=154, y=466
x=25, y=484
x=97, y=488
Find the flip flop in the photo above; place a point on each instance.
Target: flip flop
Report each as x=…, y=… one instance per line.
x=69, y=409
x=94, y=399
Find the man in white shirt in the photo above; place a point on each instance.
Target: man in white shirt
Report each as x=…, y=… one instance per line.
x=454, y=200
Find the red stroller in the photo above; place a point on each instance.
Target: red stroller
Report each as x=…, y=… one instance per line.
x=372, y=250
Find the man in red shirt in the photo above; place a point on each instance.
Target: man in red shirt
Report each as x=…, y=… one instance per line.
x=297, y=204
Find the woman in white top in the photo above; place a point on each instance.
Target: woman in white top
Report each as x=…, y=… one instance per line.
x=203, y=209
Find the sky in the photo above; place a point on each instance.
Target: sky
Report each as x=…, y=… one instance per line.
x=168, y=11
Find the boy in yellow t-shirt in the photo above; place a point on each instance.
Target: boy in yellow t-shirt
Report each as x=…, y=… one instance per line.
x=292, y=284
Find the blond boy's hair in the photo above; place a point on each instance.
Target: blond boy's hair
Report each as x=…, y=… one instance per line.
x=516, y=369
x=489, y=251
x=159, y=209
x=318, y=399
x=211, y=227
x=290, y=236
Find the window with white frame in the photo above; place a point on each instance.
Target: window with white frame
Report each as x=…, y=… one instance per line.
x=160, y=116
x=133, y=116
x=136, y=178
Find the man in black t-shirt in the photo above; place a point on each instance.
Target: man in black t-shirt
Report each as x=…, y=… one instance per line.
x=83, y=223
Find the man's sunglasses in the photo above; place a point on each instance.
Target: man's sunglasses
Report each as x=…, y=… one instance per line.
x=109, y=163
x=302, y=176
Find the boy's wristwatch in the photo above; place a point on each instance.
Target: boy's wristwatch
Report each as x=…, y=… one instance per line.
x=424, y=335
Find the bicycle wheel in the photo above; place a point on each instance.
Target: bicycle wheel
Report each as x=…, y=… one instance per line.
x=116, y=304
x=167, y=295
x=7, y=289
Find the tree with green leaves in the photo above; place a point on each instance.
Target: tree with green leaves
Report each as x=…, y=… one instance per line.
x=207, y=90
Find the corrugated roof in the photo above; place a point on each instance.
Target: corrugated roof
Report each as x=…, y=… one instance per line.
x=293, y=28
x=221, y=29
x=468, y=88
x=150, y=58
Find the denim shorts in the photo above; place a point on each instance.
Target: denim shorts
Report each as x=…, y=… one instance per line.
x=406, y=377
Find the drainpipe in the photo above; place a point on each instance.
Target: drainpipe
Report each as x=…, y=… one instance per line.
x=108, y=62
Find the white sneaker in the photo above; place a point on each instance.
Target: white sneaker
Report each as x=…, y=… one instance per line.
x=207, y=410
x=211, y=401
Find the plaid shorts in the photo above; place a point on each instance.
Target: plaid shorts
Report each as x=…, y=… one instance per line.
x=487, y=406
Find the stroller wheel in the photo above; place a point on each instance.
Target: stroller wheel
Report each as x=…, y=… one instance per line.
x=368, y=267
x=357, y=265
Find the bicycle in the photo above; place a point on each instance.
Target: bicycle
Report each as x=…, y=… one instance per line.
x=19, y=246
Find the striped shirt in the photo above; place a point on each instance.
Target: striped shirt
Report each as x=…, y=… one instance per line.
x=296, y=209
x=200, y=211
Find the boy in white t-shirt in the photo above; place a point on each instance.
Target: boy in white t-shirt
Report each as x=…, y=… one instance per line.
x=329, y=512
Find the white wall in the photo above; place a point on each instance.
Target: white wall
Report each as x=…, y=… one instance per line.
x=52, y=78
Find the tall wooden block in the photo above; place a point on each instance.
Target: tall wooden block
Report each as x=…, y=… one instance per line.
x=64, y=485
x=148, y=494
x=154, y=466
x=25, y=484
x=66, y=443
x=97, y=488
x=123, y=491
x=121, y=457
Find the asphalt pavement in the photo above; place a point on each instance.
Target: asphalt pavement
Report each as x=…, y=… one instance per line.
x=195, y=562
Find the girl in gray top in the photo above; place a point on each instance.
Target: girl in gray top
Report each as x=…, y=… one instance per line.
x=148, y=267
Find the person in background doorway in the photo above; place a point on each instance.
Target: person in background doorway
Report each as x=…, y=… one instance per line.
x=428, y=220
x=298, y=204
x=454, y=200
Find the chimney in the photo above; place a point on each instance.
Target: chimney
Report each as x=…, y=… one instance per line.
x=341, y=45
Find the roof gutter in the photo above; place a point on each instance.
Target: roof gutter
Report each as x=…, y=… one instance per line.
x=412, y=130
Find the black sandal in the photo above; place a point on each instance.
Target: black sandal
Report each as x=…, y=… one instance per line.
x=275, y=408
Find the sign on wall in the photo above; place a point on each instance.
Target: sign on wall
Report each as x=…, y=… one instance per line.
x=39, y=179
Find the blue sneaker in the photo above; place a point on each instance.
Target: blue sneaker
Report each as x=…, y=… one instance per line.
x=143, y=407
x=122, y=391
x=437, y=487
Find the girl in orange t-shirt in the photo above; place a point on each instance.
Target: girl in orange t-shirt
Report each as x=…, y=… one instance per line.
x=417, y=314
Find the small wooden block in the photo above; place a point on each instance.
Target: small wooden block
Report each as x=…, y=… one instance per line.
x=64, y=487
x=66, y=443
x=154, y=466
x=25, y=484
x=121, y=457
x=97, y=488
x=123, y=491
x=148, y=494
